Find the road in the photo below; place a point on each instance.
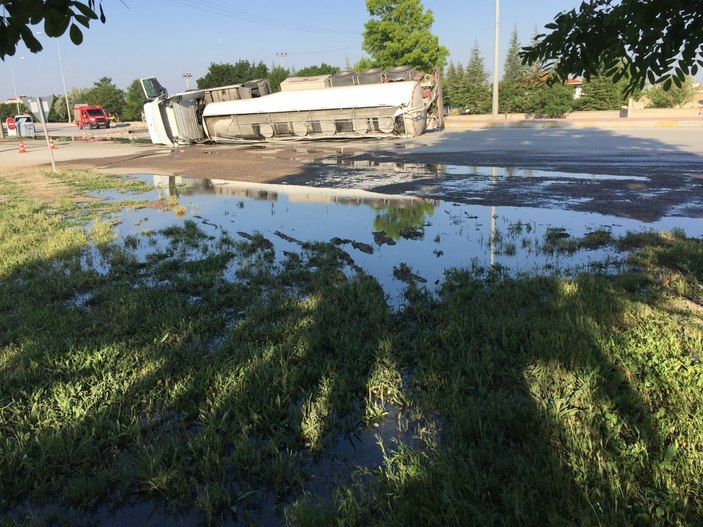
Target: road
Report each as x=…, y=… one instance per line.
x=646, y=172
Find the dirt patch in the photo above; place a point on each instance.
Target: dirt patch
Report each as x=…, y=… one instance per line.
x=40, y=185
x=249, y=163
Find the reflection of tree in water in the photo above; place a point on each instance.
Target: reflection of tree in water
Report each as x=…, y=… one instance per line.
x=398, y=221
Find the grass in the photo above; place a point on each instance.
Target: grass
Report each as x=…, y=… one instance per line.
x=530, y=401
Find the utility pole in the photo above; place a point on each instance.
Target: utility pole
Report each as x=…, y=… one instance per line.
x=63, y=80
x=282, y=56
x=187, y=77
x=495, y=62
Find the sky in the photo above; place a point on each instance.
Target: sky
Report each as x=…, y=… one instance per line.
x=167, y=38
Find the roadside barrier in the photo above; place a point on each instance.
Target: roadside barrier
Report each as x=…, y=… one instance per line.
x=23, y=150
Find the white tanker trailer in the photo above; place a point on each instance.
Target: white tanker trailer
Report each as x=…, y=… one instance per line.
x=375, y=103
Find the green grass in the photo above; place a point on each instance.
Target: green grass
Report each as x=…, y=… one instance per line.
x=521, y=401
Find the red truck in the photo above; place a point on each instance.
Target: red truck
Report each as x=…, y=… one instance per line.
x=91, y=116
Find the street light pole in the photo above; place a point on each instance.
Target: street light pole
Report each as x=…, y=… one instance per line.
x=69, y=120
x=63, y=80
x=282, y=56
x=187, y=77
x=495, y=62
x=14, y=87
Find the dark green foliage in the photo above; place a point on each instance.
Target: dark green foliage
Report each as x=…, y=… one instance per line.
x=675, y=96
x=551, y=101
x=451, y=86
x=106, y=94
x=134, y=102
x=514, y=85
x=474, y=91
x=57, y=112
x=322, y=69
x=225, y=74
x=58, y=16
x=276, y=76
x=399, y=34
x=602, y=93
x=10, y=110
x=658, y=40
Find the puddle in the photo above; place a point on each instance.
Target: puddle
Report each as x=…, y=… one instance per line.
x=395, y=238
x=647, y=194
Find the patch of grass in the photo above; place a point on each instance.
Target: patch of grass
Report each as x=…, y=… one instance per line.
x=90, y=181
x=218, y=376
x=596, y=239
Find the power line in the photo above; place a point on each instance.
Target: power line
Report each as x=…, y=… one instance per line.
x=218, y=9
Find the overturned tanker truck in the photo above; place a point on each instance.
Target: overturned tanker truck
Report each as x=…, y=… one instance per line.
x=400, y=102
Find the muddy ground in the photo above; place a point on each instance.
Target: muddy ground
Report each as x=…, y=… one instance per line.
x=646, y=188
x=653, y=174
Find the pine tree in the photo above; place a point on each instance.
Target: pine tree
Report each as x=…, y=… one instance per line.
x=476, y=92
x=449, y=85
x=601, y=93
x=513, y=87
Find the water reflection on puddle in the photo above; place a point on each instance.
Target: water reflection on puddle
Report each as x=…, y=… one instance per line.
x=391, y=237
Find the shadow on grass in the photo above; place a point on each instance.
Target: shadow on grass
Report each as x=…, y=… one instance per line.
x=160, y=382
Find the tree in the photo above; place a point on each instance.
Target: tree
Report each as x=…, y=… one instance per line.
x=322, y=69
x=475, y=92
x=674, y=97
x=107, y=95
x=454, y=86
x=134, y=104
x=10, y=110
x=449, y=84
x=225, y=74
x=658, y=40
x=58, y=15
x=400, y=35
x=513, y=86
x=602, y=93
x=276, y=76
x=58, y=108
x=548, y=99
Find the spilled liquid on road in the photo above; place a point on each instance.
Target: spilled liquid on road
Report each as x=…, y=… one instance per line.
x=398, y=239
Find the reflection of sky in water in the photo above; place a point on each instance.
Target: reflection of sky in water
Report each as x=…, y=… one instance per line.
x=454, y=235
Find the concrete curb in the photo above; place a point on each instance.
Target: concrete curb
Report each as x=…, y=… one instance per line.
x=465, y=124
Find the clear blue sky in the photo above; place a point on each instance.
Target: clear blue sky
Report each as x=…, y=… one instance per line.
x=165, y=38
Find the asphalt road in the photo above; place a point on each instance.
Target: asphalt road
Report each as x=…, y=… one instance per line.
x=657, y=171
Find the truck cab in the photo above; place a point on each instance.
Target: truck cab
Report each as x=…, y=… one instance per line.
x=90, y=116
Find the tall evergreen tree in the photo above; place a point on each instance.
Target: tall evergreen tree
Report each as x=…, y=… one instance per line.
x=449, y=85
x=602, y=93
x=475, y=90
x=513, y=86
x=399, y=34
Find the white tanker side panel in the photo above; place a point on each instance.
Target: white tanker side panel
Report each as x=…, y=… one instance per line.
x=376, y=109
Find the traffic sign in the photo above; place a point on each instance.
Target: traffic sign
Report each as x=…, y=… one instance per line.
x=10, y=122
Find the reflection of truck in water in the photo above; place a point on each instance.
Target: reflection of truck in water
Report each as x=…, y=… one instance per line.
x=90, y=116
